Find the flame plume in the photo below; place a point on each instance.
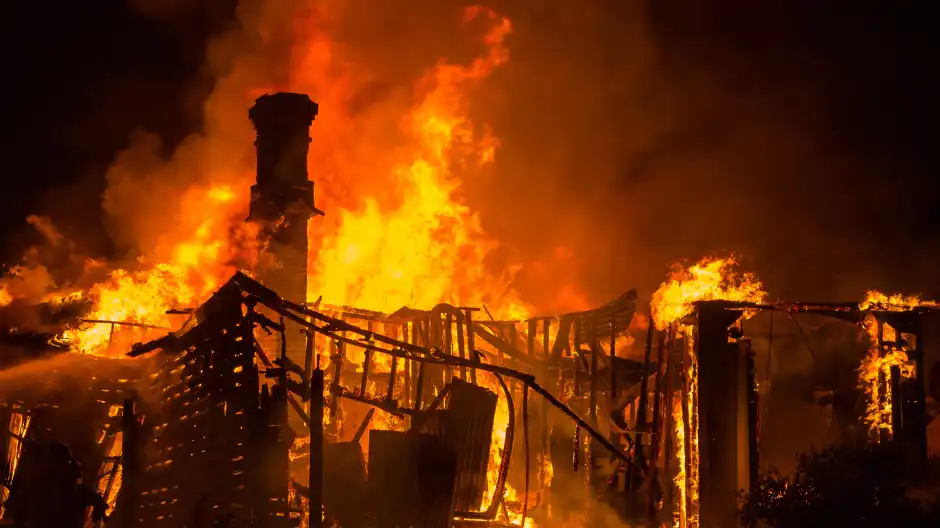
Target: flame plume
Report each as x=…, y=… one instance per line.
x=424, y=246
x=397, y=233
x=709, y=280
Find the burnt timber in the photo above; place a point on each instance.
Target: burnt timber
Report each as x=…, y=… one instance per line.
x=199, y=433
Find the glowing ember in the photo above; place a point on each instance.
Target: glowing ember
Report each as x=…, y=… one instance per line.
x=710, y=279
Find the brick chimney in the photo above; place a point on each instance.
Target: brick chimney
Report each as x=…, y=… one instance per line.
x=282, y=197
x=282, y=202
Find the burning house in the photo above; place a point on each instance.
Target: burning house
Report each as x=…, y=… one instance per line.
x=261, y=409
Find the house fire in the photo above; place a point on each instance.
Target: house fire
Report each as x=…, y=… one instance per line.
x=263, y=409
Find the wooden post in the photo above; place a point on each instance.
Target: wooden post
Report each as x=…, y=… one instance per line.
x=577, y=357
x=545, y=429
x=531, y=329
x=338, y=353
x=546, y=328
x=316, y=449
x=461, y=347
x=561, y=368
x=613, y=356
x=896, y=403
x=644, y=389
x=594, y=377
x=390, y=394
x=308, y=356
x=419, y=368
x=310, y=347
x=406, y=365
x=525, y=445
x=449, y=346
x=366, y=362
x=752, y=421
x=917, y=422
x=130, y=464
x=686, y=427
x=595, y=351
x=657, y=435
x=669, y=435
x=881, y=435
x=471, y=351
x=513, y=338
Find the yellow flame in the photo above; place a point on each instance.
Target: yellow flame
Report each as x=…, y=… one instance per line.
x=681, y=513
x=897, y=302
x=875, y=376
x=710, y=279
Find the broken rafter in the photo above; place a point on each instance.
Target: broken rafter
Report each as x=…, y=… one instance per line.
x=124, y=323
x=251, y=292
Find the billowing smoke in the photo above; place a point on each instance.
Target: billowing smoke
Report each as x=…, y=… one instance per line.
x=630, y=136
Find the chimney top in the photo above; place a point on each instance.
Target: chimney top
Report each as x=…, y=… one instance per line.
x=283, y=109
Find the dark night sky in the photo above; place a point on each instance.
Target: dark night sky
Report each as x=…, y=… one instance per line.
x=103, y=63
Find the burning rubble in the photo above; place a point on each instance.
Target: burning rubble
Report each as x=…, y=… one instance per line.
x=275, y=363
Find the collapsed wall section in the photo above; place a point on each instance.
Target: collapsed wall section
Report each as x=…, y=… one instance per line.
x=216, y=449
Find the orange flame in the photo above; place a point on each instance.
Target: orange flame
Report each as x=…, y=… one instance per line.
x=398, y=234
x=196, y=267
x=875, y=370
x=426, y=247
x=708, y=280
x=897, y=302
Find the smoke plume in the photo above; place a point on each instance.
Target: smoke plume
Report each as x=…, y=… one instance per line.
x=629, y=136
